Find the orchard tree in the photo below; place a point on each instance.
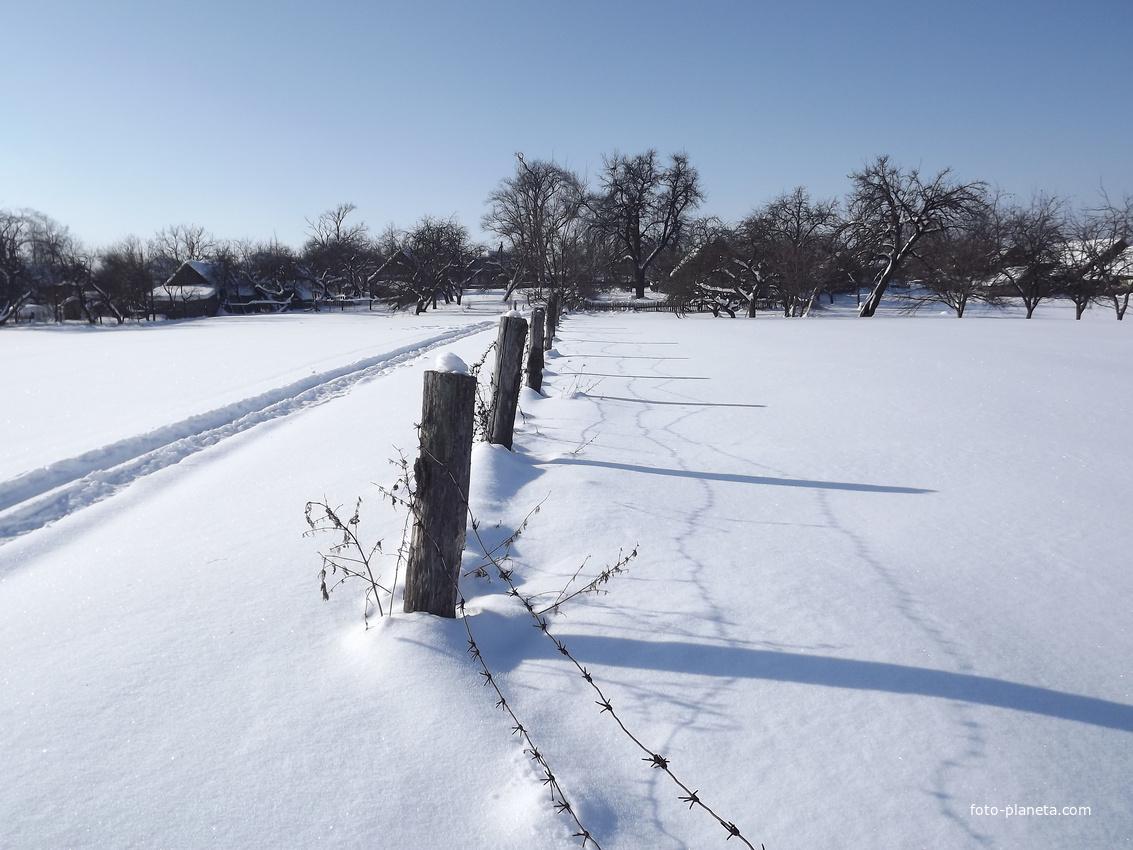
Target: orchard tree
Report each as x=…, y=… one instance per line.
x=642, y=207
x=48, y=250
x=16, y=287
x=427, y=262
x=41, y=262
x=63, y=270
x=798, y=236
x=1034, y=249
x=341, y=256
x=538, y=215
x=891, y=210
x=720, y=270
x=179, y=243
x=1101, y=267
x=784, y=252
x=956, y=266
x=276, y=272
x=124, y=270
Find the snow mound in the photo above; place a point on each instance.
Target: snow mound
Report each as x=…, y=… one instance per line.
x=449, y=362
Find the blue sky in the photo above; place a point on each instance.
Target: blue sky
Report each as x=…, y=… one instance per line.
x=249, y=117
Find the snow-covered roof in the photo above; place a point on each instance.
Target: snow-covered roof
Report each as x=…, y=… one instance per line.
x=212, y=272
x=191, y=292
x=1110, y=255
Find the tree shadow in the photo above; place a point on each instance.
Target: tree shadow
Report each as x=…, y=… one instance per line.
x=740, y=479
x=738, y=662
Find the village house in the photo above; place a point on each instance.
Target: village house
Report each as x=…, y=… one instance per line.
x=194, y=290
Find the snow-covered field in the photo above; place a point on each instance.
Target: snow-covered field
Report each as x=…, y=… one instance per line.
x=883, y=587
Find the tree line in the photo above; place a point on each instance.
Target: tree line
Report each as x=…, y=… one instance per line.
x=942, y=241
x=47, y=273
x=932, y=239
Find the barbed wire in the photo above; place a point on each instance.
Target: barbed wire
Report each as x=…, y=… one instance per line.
x=655, y=760
x=558, y=798
x=403, y=494
x=406, y=498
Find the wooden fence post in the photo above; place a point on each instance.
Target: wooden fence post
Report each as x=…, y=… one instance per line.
x=440, y=503
x=552, y=321
x=506, y=380
x=535, y=351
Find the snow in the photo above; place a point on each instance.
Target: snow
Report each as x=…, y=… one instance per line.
x=882, y=581
x=449, y=362
x=187, y=292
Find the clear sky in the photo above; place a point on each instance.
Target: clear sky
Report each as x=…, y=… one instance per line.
x=248, y=117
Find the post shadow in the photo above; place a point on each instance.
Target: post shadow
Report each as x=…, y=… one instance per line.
x=826, y=671
x=736, y=478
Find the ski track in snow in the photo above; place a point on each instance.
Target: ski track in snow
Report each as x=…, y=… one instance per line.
x=35, y=499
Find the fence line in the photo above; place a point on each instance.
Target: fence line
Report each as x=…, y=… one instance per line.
x=424, y=539
x=628, y=307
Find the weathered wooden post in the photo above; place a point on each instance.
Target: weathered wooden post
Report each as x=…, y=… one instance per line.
x=506, y=379
x=535, y=351
x=552, y=321
x=440, y=503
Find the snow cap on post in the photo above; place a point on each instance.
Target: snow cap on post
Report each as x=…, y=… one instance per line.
x=449, y=362
x=513, y=314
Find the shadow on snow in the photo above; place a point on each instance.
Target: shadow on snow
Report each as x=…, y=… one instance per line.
x=738, y=662
x=740, y=479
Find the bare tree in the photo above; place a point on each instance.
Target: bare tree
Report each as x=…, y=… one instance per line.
x=1101, y=262
x=276, y=273
x=341, y=256
x=42, y=262
x=643, y=206
x=784, y=252
x=16, y=288
x=538, y=215
x=62, y=270
x=1035, y=245
x=956, y=266
x=123, y=271
x=46, y=266
x=799, y=236
x=330, y=229
x=427, y=262
x=179, y=243
x=891, y=210
x=720, y=270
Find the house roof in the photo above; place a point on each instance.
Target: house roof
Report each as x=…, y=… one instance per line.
x=211, y=272
x=1114, y=258
x=188, y=292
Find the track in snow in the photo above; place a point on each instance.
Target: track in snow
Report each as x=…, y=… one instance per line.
x=42, y=496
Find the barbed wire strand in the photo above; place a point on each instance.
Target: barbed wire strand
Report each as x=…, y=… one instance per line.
x=657, y=761
x=558, y=797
